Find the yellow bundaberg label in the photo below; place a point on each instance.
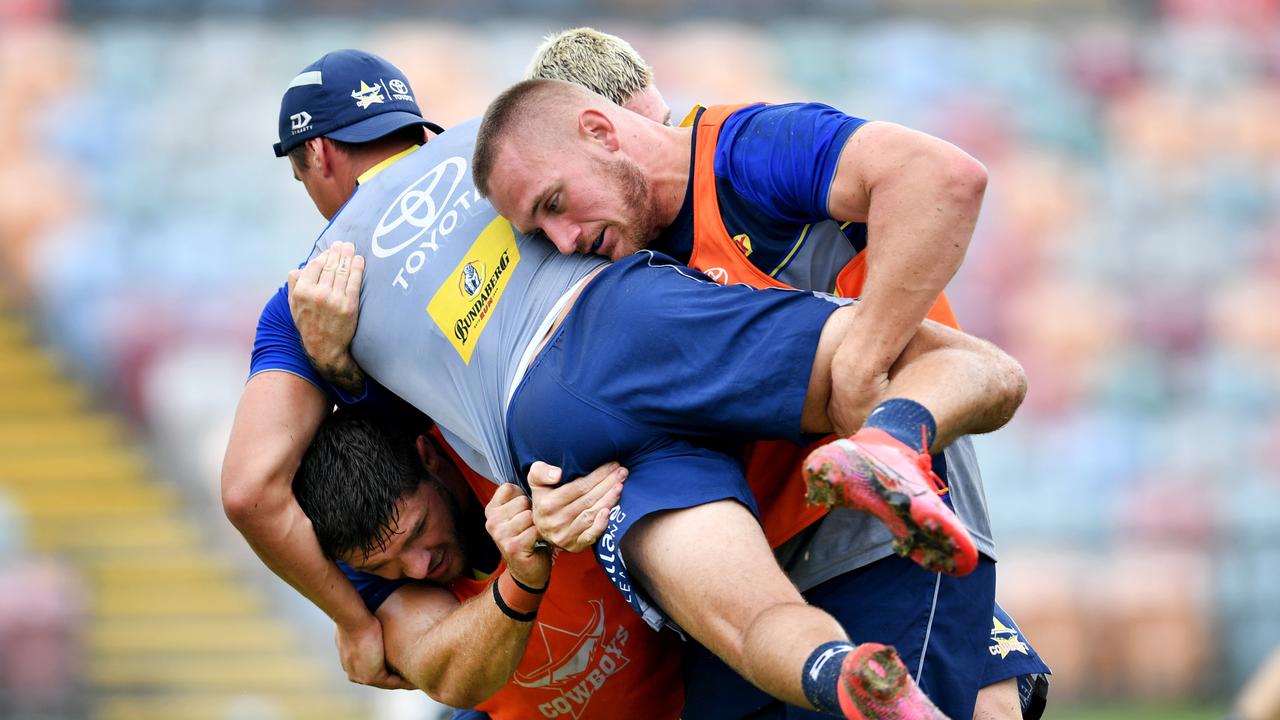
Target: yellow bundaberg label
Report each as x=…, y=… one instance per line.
x=463, y=307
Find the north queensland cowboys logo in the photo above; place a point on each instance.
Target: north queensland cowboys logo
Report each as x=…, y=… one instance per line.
x=571, y=664
x=1005, y=640
x=470, y=280
x=367, y=96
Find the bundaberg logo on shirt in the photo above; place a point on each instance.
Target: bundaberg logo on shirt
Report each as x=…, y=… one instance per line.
x=462, y=310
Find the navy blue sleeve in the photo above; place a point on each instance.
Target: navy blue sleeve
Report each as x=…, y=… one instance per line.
x=783, y=158
x=373, y=590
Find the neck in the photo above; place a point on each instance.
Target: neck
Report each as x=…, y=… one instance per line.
x=668, y=170
x=361, y=163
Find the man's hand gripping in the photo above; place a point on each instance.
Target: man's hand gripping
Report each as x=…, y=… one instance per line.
x=574, y=515
x=509, y=520
x=324, y=299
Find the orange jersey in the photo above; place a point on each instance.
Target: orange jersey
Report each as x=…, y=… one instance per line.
x=589, y=654
x=773, y=467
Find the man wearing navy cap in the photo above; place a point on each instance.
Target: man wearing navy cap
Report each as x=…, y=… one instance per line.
x=343, y=119
x=315, y=121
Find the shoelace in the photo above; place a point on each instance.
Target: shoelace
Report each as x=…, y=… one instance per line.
x=925, y=462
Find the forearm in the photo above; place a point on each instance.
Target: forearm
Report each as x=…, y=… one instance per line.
x=467, y=655
x=281, y=536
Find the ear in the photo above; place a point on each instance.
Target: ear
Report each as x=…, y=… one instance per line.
x=596, y=126
x=428, y=454
x=322, y=155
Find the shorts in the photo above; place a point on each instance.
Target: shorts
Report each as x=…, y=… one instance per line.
x=941, y=626
x=661, y=369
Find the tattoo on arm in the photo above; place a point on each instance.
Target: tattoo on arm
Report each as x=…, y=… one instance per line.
x=346, y=375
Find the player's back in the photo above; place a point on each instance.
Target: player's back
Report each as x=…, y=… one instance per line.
x=452, y=296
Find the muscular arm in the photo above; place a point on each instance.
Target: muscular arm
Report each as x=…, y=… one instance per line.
x=274, y=423
x=460, y=655
x=919, y=197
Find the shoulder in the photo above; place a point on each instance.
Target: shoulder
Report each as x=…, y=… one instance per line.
x=768, y=128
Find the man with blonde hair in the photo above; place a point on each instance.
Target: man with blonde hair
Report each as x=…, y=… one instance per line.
x=603, y=63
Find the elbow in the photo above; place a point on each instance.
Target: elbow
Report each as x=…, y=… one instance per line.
x=1013, y=386
x=238, y=499
x=966, y=184
x=242, y=497
x=455, y=695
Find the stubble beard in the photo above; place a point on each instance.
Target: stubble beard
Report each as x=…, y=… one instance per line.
x=634, y=190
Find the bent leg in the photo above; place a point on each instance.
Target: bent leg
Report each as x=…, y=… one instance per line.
x=711, y=570
x=969, y=385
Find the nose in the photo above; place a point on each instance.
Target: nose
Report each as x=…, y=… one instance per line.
x=416, y=564
x=564, y=235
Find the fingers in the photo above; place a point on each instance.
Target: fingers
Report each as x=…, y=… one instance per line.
x=524, y=540
x=354, y=280
x=574, y=515
x=586, y=494
x=509, y=512
x=543, y=475
x=509, y=521
x=385, y=681
x=593, y=533
x=589, y=524
x=339, y=254
x=609, y=483
x=505, y=493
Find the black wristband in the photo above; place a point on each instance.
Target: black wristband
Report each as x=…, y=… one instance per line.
x=506, y=609
x=528, y=589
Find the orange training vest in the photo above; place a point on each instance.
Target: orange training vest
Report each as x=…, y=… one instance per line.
x=773, y=467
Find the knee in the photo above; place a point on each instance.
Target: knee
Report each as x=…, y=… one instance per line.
x=1015, y=383
x=998, y=702
x=1009, y=379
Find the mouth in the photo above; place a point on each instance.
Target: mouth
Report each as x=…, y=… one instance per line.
x=595, y=246
x=437, y=562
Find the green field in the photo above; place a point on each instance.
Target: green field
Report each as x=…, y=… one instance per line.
x=1135, y=712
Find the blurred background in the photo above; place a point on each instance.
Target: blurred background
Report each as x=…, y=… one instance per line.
x=1127, y=254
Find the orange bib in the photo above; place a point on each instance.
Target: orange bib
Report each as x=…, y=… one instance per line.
x=773, y=467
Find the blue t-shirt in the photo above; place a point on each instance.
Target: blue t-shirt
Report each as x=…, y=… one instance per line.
x=769, y=189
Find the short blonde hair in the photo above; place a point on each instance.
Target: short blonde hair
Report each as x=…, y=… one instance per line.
x=603, y=63
x=529, y=111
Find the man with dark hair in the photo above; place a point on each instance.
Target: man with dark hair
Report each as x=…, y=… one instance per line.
x=387, y=505
x=354, y=483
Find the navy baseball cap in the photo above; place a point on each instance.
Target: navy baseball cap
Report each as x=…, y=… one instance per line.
x=347, y=95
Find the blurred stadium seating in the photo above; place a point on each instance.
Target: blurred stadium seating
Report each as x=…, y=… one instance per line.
x=1128, y=254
